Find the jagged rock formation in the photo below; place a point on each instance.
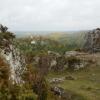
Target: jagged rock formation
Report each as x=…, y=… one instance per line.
x=15, y=60
x=71, y=60
x=92, y=43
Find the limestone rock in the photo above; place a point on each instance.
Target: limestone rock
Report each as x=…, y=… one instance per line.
x=92, y=41
x=57, y=80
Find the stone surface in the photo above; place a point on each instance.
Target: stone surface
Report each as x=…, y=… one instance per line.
x=92, y=41
x=57, y=80
x=15, y=59
x=71, y=53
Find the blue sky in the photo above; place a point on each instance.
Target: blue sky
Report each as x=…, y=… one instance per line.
x=50, y=15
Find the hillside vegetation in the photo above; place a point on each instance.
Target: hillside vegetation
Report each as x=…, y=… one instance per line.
x=50, y=67
x=71, y=40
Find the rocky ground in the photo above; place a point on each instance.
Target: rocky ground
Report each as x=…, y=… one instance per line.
x=85, y=82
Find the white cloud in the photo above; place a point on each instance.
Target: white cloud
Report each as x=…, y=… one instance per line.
x=50, y=14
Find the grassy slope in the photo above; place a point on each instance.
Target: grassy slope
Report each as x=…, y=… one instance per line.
x=71, y=40
x=87, y=82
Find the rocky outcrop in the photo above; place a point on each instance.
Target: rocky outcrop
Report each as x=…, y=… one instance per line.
x=92, y=41
x=71, y=60
x=75, y=60
x=52, y=61
x=15, y=60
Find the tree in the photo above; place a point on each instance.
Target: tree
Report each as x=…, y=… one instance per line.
x=3, y=29
x=6, y=37
x=5, y=34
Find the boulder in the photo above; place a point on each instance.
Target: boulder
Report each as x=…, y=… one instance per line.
x=54, y=53
x=57, y=80
x=71, y=53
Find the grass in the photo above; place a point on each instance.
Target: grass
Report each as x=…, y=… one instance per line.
x=87, y=82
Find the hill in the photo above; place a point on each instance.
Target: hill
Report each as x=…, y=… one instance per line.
x=72, y=40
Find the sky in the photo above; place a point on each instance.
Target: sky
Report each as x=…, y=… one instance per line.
x=50, y=15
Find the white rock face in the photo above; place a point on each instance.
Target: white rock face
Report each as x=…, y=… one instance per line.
x=80, y=65
x=16, y=62
x=53, y=63
x=92, y=41
x=71, y=53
